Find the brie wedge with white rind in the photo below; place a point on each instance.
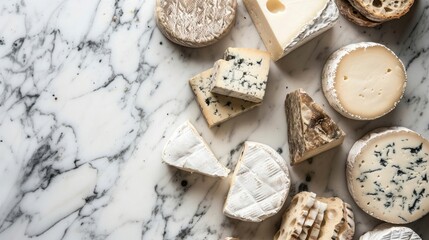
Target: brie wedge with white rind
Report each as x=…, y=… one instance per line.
x=294, y=217
x=390, y=232
x=364, y=81
x=259, y=185
x=388, y=174
x=287, y=24
x=187, y=150
x=216, y=108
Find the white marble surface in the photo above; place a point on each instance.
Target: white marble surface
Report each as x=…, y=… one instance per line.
x=90, y=90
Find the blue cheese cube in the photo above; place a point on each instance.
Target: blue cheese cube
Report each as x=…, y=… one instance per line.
x=243, y=74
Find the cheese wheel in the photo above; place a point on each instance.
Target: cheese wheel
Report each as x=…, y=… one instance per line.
x=387, y=231
x=388, y=174
x=364, y=81
x=195, y=23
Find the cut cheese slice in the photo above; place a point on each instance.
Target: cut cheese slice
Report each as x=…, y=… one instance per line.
x=310, y=130
x=287, y=24
x=315, y=229
x=187, y=150
x=310, y=220
x=260, y=184
x=243, y=73
x=347, y=231
x=294, y=217
x=364, y=81
x=390, y=232
x=387, y=174
x=333, y=218
x=216, y=108
x=195, y=23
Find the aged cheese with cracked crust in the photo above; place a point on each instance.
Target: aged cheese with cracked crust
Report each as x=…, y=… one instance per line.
x=188, y=151
x=333, y=218
x=216, y=108
x=388, y=174
x=310, y=130
x=260, y=184
x=315, y=229
x=347, y=231
x=243, y=73
x=294, y=217
x=195, y=23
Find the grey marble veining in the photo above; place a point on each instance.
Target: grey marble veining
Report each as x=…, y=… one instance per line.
x=90, y=90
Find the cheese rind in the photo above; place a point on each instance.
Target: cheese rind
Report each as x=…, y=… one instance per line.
x=216, y=108
x=364, y=81
x=347, y=230
x=187, y=150
x=195, y=23
x=333, y=218
x=387, y=174
x=283, y=29
x=243, y=74
x=310, y=130
x=259, y=186
x=310, y=219
x=315, y=229
x=294, y=218
x=390, y=232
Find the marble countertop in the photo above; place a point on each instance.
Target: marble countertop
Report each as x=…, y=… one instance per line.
x=90, y=91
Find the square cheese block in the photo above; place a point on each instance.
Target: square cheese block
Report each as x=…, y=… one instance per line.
x=310, y=130
x=287, y=24
x=216, y=108
x=243, y=73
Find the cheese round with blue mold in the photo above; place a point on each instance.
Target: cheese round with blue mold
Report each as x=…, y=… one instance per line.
x=388, y=174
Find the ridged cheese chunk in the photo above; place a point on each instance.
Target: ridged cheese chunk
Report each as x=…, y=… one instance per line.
x=243, y=74
x=390, y=232
x=388, y=174
x=216, y=108
x=364, y=81
x=347, y=231
x=294, y=217
x=287, y=24
x=310, y=219
x=333, y=218
x=260, y=184
x=315, y=229
x=187, y=150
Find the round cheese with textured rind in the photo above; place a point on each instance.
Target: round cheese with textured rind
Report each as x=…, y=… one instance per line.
x=382, y=10
x=353, y=15
x=387, y=231
x=195, y=23
x=260, y=184
x=388, y=174
x=364, y=81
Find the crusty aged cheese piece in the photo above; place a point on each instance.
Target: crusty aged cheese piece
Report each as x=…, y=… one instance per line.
x=310, y=130
x=315, y=229
x=295, y=215
x=243, y=73
x=347, y=230
x=387, y=231
x=195, y=23
x=287, y=24
x=216, y=108
x=382, y=10
x=310, y=219
x=260, y=184
x=387, y=174
x=353, y=15
x=333, y=218
x=187, y=150
x=364, y=81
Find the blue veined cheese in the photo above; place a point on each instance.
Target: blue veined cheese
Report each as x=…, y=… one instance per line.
x=216, y=108
x=390, y=232
x=243, y=74
x=187, y=150
x=259, y=185
x=388, y=174
x=287, y=24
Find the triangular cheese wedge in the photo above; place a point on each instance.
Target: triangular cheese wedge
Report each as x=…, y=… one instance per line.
x=260, y=184
x=187, y=150
x=333, y=218
x=310, y=130
x=294, y=217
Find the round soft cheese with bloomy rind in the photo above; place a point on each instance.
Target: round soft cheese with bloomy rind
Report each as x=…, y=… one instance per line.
x=388, y=174
x=195, y=23
x=387, y=231
x=364, y=81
